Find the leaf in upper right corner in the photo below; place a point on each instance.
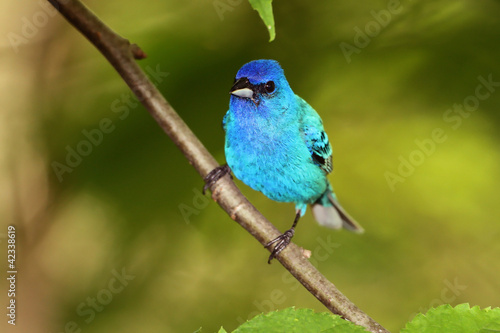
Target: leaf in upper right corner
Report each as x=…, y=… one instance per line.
x=265, y=9
x=459, y=319
x=293, y=320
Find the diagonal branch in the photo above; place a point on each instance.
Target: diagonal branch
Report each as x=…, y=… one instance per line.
x=121, y=54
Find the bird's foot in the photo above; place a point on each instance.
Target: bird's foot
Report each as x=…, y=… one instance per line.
x=214, y=175
x=281, y=243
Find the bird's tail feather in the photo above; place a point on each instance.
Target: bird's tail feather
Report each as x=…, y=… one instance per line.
x=329, y=213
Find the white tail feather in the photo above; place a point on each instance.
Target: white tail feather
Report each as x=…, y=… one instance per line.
x=327, y=216
x=335, y=217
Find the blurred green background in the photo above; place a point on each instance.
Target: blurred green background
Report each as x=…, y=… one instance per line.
x=431, y=237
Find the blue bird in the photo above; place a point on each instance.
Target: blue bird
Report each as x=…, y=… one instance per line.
x=275, y=143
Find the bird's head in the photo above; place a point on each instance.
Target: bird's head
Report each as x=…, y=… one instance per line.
x=263, y=84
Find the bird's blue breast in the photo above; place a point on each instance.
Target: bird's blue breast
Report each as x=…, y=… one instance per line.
x=269, y=154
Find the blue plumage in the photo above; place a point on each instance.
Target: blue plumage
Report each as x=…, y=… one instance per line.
x=275, y=143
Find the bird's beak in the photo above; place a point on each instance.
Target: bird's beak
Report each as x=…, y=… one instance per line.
x=242, y=88
x=244, y=92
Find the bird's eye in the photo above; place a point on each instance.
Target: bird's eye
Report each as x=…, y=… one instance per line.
x=269, y=86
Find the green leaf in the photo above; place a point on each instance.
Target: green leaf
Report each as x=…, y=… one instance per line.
x=265, y=9
x=222, y=330
x=293, y=320
x=461, y=319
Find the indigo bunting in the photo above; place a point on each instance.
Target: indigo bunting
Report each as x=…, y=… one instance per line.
x=275, y=143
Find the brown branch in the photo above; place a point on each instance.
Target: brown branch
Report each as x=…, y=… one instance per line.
x=121, y=54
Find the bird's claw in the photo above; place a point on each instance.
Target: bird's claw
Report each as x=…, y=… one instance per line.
x=282, y=242
x=214, y=175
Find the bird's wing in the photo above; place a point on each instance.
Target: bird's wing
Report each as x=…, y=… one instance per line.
x=315, y=137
